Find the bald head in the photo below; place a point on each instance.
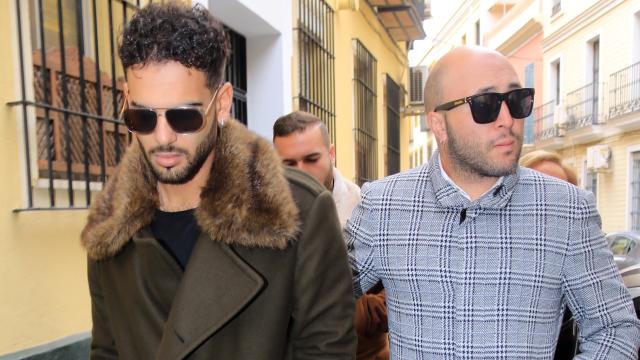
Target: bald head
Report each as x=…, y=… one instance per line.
x=452, y=65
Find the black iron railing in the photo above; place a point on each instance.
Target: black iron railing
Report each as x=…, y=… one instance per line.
x=316, y=68
x=73, y=138
x=393, y=126
x=76, y=97
x=364, y=83
x=236, y=74
x=583, y=107
x=624, y=91
x=544, y=122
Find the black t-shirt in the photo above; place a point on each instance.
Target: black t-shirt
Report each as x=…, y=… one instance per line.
x=177, y=232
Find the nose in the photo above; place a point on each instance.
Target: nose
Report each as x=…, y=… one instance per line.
x=164, y=133
x=504, y=116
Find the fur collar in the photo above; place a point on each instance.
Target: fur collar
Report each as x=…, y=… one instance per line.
x=246, y=202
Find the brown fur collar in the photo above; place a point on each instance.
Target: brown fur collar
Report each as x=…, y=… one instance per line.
x=246, y=202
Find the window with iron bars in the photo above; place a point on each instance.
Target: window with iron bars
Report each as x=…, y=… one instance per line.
x=365, y=132
x=70, y=99
x=634, y=187
x=590, y=181
x=316, y=68
x=393, y=126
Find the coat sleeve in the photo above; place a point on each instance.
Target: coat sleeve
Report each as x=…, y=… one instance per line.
x=102, y=342
x=359, y=234
x=596, y=295
x=324, y=303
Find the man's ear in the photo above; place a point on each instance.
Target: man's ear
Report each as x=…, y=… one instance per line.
x=437, y=125
x=332, y=154
x=224, y=101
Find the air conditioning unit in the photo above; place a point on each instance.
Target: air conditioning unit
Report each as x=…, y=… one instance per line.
x=417, y=79
x=598, y=157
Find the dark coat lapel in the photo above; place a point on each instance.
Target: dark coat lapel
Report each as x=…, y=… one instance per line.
x=208, y=297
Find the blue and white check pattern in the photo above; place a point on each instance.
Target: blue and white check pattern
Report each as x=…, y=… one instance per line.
x=493, y=286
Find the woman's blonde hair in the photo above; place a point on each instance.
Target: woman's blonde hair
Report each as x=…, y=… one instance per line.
x=536, y=157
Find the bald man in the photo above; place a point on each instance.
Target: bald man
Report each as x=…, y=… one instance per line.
x=478, y=255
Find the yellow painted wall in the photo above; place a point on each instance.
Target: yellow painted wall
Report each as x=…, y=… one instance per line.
x=613, y=185
x=362, y=24
x=614, y=29
x=43, y=288
x=613, y=26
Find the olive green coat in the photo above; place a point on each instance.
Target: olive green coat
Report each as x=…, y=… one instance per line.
x=267, y=279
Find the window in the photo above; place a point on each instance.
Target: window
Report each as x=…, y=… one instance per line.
x=635, y=39
x=393, y=127
x=364, y=82
x=236, y=74
x=594, y=75
x=556, y=6
x=634, y=189
x=529, y=121
x=555, y=81
x=590, y=180
x=316, y=69
x=417, y=78
x=77, y=93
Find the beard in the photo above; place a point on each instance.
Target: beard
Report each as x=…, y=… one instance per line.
x=194, y=162
x=473, y=156
x=328, y=180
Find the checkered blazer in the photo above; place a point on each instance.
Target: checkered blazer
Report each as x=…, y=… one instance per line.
x=487, y=279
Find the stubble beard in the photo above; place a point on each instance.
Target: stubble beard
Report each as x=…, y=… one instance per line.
x=194, y=163
x=472, y=157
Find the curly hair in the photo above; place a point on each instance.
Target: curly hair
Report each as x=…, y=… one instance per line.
x=176, y=32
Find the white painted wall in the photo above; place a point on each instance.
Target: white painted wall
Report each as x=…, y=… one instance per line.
x=268, y=29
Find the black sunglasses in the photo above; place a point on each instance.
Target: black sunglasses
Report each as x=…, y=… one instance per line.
x=485, y=107
x=182, y=119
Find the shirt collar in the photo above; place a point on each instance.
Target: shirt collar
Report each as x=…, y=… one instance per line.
x=449, y=194
x=462, y=192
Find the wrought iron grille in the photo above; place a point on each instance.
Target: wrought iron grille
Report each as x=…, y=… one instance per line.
x=393, y=126
x=624, y=92
x=70, y=65
x=544, y=124
x=364, y=82
x=417, y=77
x=583, y=106
x=236, y=74
x=635, y=191
x=77, y=93
x=316, y=68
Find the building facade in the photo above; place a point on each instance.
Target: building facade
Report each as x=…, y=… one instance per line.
x=60, y=136
x=583, y=59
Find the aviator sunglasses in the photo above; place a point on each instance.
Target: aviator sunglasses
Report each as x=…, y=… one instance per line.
x=182, y=119
x=485, y=107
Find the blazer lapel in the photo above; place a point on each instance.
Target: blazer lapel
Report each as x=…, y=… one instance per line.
x=217, y=284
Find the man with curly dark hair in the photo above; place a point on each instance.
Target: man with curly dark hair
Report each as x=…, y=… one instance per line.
x=202, y=245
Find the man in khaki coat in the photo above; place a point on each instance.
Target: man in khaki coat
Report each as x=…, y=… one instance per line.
x=202, y=246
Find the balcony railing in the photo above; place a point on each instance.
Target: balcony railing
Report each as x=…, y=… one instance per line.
x=583, y=106
x=624, y=93
x=544, y=125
